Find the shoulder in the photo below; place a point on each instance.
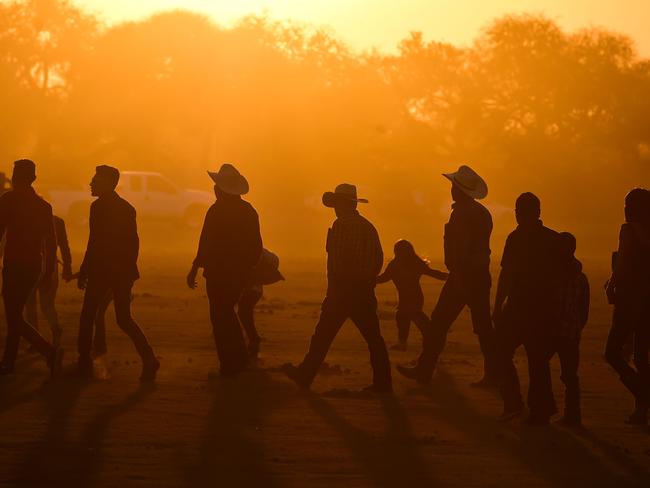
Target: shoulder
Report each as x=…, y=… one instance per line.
x=366, y=223
x=126, y=206
x=45, y=206
x=248, y=207
x=482, y=211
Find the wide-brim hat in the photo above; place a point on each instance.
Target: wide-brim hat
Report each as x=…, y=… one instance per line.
x=343, y=192
x=229, y=180
x=469, y=182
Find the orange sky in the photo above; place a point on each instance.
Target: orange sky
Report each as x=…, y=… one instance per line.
x=382, y=23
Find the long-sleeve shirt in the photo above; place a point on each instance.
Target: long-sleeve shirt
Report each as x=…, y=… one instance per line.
x=574, y=302
x=406, y=277
x=62, y=242
x=354, y=252
x=632, y=267
x=113, y=244
x=467, y=239
x=231, y=243
x=28, y=223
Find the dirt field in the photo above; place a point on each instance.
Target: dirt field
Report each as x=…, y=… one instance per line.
x=260, y=431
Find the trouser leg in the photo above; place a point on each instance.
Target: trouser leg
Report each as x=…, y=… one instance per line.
x=17, y=285
x=624, y=322
x=31, y=308
x=246, y=313
x=569, y=354
x=125, y=321
x=332, y=317
x=507, y=342
x=541, y=402
x=479, y=305
x=450, y=304
x=47, y=297
x=99, y=340
x=403, y=321
x=228, y=336
x=364, y=315
x=95, y=292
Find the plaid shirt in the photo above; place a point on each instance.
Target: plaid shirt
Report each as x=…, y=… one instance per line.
x=353, y=249
x=574, y=303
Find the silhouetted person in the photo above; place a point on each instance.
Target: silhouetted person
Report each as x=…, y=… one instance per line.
x=110, y=265
x=631, y=296
x=354, y=260
x=27, y=221
x=229, y=248
x=531, y=273
x=574, y=313
x=405, y=271
x=266, y=272
x=45, y=293
x=467, y=257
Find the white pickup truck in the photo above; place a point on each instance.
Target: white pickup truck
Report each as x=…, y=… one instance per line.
x=153, y=195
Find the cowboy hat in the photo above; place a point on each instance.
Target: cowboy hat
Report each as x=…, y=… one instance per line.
x=343, y=192
x=469, y=182
x=229, y=180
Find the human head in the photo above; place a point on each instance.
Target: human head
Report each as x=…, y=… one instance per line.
x=568, y=244
x=24, y=173
x=637, y=205
x=458, y=195
x=343, y=199
x=527, y=208
x=105, y=180
x=403, y=249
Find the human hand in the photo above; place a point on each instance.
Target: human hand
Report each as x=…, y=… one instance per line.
x=82, y=282
x=191, y=278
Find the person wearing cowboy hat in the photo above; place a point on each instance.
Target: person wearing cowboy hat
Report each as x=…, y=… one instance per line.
x=467, y=257
x=229, y=248
x=354, y=260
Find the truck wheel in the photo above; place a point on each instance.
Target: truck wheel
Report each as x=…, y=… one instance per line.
x=194, y=216
x=78, y=215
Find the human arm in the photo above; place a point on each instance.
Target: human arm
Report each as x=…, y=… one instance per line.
x=435, y=273
x=64, y=246
x=201, y=254
x=82, y=276
x=585, y=300
x=387, y=275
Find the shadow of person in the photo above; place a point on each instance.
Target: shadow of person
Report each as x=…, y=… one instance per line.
x=23, y=387
x=47, y=463
x=228, y=454
x=90, y=447
x=554, y=455
x=391, y=460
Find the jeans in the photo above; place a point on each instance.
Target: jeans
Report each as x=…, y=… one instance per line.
x=45, y=296
x=631, y=318
x=95, y=295
x=453, y=298
x=246, y=313
x=525, y=327
x=18, y=282
x=359, y=304
x=568, y=351
x=227, y=331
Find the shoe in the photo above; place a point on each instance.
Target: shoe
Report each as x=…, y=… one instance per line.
x=413, y=374
x=293, y=373
x=6, y=370
x=55, y=362
x=379, y=390
x=487, y=382
x=150, y=368
x=398, y=347
x=510, y=414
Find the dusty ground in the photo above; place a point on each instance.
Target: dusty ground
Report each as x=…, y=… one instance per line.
x=259, y=430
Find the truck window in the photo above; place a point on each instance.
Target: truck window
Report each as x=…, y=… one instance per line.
x=160, y=185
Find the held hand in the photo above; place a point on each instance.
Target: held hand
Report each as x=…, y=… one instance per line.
x=191, y=279
x=82, y=282
x=441, y=275
x=67, y=275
